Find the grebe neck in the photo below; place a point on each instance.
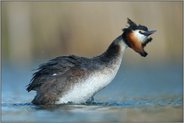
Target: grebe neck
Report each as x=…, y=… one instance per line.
x=115, y=50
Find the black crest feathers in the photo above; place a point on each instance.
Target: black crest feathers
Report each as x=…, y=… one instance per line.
x=134, y=26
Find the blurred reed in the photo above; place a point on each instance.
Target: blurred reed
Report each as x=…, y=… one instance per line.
x=40, y=30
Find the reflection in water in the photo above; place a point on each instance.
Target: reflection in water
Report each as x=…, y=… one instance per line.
x=152, y=93
x=99, y=112
x=142, y=91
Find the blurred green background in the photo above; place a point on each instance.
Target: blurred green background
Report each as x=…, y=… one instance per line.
x=35, y=31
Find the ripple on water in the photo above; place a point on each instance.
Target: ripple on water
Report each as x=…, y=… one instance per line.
x=141, y=101
x=156, y=108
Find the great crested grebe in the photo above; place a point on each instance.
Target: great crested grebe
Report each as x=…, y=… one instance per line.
x=74, y=79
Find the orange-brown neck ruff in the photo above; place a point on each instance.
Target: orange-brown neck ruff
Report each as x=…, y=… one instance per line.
x=132, y=41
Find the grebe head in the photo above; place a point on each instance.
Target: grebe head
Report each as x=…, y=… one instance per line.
x=137, y=36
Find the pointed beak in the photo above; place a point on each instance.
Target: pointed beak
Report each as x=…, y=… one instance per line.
x=147, y=33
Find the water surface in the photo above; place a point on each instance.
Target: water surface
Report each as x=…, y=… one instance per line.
x=152, y=93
